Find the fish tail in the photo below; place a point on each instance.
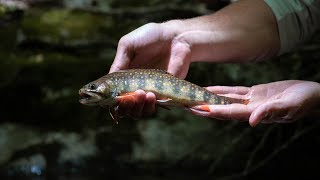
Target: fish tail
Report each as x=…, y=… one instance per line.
x=227, y=100
x=238, y=101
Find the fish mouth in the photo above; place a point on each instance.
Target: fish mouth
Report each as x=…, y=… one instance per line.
x=89, y=98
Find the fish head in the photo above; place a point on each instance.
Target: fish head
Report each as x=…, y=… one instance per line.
x=96, y=93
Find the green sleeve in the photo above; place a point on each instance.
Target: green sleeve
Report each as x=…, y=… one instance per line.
x=297, y=21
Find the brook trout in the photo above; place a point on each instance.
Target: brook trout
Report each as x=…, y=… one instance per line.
x=169, y=90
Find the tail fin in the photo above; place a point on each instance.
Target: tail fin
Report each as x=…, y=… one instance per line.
x=239, y=101
x=228, y=100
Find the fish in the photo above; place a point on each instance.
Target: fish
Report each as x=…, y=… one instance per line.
x=109, y=89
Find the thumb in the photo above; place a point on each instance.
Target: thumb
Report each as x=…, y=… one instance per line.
x=179, y=60
x=268, y=112
x=123, y=55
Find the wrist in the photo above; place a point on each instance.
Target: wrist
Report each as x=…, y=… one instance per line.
x=174, y=27
x=231, y=36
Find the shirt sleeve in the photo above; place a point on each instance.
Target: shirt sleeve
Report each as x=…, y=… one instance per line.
x=297, y=21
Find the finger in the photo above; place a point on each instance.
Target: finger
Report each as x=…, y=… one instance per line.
x=139, y=100
x=269, y=112
x=240, y=90
x=149, y=105
x=125, y=104
x=227, y=112
x=131, y=104
x=123, y=56
x=179, y=58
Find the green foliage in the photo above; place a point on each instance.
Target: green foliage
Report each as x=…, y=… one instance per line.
x=2, y=10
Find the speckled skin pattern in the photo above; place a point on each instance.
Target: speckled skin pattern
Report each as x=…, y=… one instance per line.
x=164, y=85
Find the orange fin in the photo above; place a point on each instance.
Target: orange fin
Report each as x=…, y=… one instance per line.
x=126, y=96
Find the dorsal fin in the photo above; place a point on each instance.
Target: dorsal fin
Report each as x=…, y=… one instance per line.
x=152, y=70
x=162, y=71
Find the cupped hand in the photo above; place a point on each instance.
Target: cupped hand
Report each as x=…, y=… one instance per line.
x=156, y=46
x=281, y=102
x=152, y=46
x=142, y=104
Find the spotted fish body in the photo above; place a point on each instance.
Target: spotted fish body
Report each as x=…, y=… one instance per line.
x=168, y=89
x=165, y=86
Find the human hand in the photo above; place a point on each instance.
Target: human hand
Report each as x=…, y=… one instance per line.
x=141, y=104
x=282, y=102
x=218, y=37
x=153, y=46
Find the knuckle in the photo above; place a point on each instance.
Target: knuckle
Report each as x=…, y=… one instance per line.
x=123, y=42
x=151, y=25
x=181, y=43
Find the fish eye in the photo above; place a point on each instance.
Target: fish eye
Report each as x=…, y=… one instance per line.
x=92, y=86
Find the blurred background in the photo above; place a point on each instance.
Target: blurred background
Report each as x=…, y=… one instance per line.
x=50, y=48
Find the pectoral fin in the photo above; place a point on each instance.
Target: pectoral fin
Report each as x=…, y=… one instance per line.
x=163, y=100
x=130, y=96
x=164, y=103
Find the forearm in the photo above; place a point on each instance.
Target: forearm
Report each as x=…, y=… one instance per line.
x=243, y=31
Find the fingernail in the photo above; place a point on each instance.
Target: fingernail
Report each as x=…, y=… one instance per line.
x=202, y=108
